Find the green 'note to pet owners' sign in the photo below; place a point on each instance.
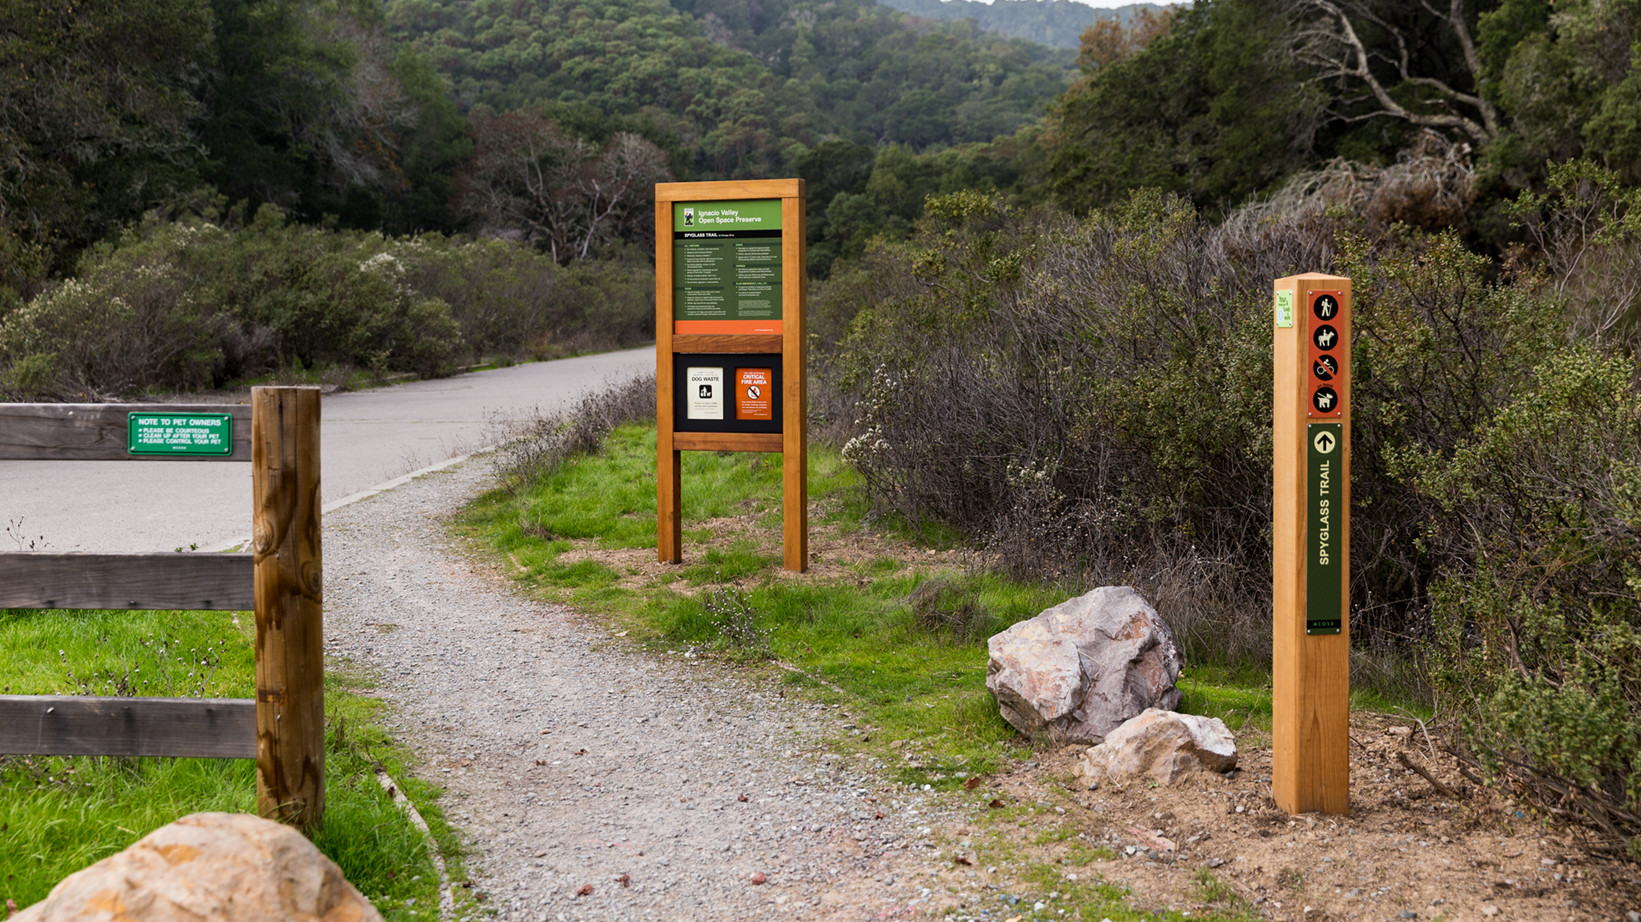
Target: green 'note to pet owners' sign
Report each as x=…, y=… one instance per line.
x=180, y=434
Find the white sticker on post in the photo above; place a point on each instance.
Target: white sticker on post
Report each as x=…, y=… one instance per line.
x=705, y=397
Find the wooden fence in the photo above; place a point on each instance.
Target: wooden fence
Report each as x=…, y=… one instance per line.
x=283, y=728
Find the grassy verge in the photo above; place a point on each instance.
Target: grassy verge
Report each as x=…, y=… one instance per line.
x=889, y=624
x=59, y=814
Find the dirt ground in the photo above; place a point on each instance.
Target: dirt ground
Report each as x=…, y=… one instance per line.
x=1411, y=848
x=1406, y=851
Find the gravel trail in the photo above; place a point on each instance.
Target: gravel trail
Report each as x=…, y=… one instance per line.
x=593, y=782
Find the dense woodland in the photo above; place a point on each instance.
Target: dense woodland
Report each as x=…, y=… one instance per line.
x=1041, y=276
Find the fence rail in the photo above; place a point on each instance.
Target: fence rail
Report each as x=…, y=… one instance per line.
x=97, y=431
x=283, y=727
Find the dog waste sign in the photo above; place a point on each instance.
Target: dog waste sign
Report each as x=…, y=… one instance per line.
x=180, y=433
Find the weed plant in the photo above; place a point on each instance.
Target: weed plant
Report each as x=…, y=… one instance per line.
x=60, y=814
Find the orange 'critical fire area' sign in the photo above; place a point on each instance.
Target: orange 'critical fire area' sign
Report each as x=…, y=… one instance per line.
x=752, y=393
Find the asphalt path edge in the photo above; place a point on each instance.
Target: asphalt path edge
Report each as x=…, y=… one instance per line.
x=235, y=544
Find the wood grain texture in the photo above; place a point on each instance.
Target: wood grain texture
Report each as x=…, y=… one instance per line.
x=795, y=386
x=669, y=192
x=290, y=656
x=1310, y=674
x=207, y=728
x=153, y=582
x=726, y=441
x=724, y=343
x=97, y=431
x=669, y=518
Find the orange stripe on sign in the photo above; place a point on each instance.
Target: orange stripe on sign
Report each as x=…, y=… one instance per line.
x=688, y=327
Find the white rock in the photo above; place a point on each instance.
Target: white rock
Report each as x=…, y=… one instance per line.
x=1160, y=746
x=1075, y=672
x=209, y=867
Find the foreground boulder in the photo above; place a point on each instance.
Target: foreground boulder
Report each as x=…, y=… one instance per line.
x=1160, y=746
x=209, y=867
x=1080, y=669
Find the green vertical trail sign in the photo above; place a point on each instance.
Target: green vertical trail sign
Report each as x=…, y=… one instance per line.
x=1323, y=581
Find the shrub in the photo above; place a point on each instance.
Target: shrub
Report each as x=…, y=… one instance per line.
x=191, y=304
x=1089, y=398
x=132, y=321
x=1538, y=604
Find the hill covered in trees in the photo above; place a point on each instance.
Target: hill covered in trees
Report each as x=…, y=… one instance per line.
x=1055, y=23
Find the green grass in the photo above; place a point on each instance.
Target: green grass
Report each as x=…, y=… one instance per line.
x=59, y=814
x=899, y=680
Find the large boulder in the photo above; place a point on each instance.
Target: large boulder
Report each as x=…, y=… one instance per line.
x=1160, y=746
x=209, y=867
x=1080, y=669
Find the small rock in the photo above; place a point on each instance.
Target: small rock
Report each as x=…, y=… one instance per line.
x=586, y=890
x=1489, y=911
x=1161, y=746
x=758, y=878
x=1407, y=914
x=1216, y=862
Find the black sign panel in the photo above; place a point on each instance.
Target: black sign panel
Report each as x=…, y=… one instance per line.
x=714, y=379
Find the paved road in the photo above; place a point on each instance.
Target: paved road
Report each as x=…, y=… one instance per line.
x=367, y=438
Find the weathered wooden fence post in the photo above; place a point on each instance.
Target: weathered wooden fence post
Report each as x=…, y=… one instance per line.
x=290, y=676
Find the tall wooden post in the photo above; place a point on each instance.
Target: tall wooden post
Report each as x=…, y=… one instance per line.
x=795, y=411
x=290, y=678
x=1310, y=672
x=669, y=484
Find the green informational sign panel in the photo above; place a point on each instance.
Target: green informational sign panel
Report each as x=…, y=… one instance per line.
x=180, y=433
x=727, y=266
x=1325, y=521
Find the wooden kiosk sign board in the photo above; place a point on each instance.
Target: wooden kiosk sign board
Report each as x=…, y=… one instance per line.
x=1310, y=672
x=729, y=341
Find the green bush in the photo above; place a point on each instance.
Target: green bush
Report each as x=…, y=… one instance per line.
x=1537, y=608
x=192, y=304
x=132, y=321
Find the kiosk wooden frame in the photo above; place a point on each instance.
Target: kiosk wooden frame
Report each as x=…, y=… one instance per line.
x=1310, y=671
x=792, y=439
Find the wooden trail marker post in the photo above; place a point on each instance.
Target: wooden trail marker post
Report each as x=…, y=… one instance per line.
x=283, y=727
x=730, y=363
x=1310, y=672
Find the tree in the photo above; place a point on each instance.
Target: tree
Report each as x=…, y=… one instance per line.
x=1396, y=60
x=96, y=112
x=1212, y=108
x=530, y=178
